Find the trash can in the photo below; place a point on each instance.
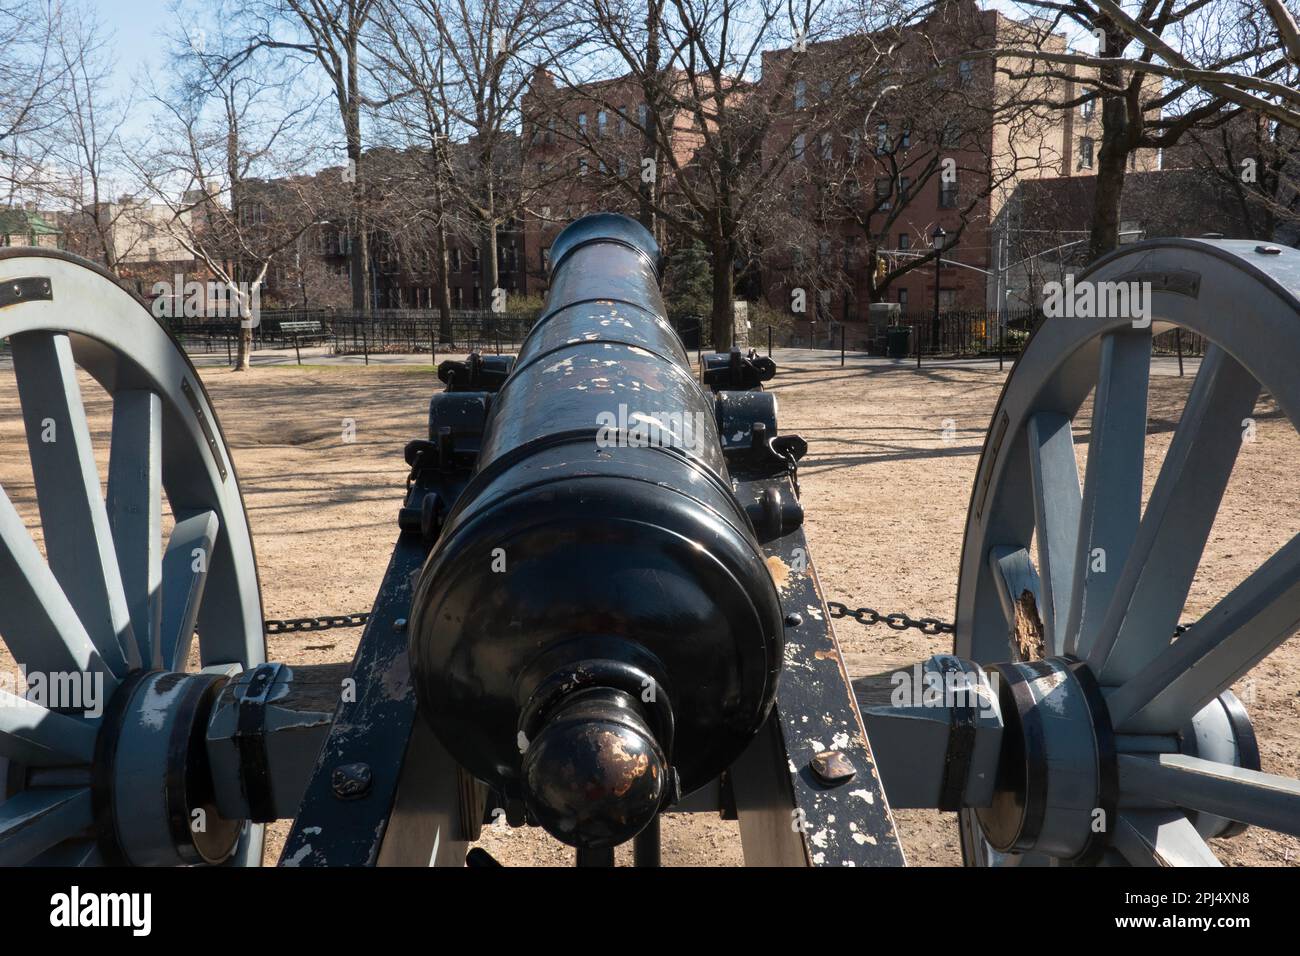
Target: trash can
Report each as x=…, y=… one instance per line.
x=899, y=339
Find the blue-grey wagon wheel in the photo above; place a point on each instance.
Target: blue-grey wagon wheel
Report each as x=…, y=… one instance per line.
x=111, y=597
x=1166, y=699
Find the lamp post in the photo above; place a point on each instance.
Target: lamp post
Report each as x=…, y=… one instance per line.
x=937, y=243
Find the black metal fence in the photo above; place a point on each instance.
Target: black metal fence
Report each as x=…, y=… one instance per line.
x=954, y=334
x=354, y=333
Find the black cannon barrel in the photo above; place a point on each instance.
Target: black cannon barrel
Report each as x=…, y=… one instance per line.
x=596, y=629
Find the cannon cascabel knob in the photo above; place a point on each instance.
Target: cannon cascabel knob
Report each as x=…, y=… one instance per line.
x=595, y=775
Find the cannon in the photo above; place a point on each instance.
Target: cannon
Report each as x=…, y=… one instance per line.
x=601, y=607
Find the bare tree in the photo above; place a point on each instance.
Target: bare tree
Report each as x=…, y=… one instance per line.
x=721, y=127
x=329, y=34
x=228, y=144
x=33, y=77
x=86, y=158
x=410, y=71
x=1194, y=66
x=492, y=48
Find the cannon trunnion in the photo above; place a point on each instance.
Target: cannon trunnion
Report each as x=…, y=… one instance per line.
x=597, y=630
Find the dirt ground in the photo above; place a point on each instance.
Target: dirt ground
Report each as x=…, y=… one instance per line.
x=885, y=489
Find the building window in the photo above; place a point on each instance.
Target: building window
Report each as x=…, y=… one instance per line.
x=622, y=168
x=550, y=131
x=947, y=298
x=904, y=241
x=947, y=195
x=882, y=138
x=902, y=299
x=1087, y=108
x=904, y=187
x=965, y=72
x=455, y=260
x=950, y=134
x=800, y=94
x=582, y=165
x=800, y=144
x=855, y=145
x=643, y=117
x=827, y=147
x=884, y=189
x=824, y=249
x=622, y=121
x=1085, y=152
x=582, y=124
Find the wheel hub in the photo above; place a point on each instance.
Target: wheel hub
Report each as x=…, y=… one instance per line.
x=151, y=785
x=1055, y=790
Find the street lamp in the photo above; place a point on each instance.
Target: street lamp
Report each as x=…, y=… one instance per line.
x=937, y=243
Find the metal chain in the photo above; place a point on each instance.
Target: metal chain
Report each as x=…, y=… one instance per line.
x=323, y=623
x=867, y=616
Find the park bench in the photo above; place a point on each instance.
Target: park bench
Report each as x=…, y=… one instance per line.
x=300, y=330
x=303, y=330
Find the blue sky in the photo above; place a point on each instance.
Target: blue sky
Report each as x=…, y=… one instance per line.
x=136, y=25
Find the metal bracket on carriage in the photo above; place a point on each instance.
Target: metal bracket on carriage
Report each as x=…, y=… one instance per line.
x=736, y=370
x=477, y=373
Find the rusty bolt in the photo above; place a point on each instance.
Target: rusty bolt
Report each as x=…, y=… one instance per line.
x=793, y=620
x=351, y=781
x=832, y=767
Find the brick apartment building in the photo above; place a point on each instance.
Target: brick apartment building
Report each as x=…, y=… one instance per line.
x=885, y=172
x=591, y=148
x=863, y=189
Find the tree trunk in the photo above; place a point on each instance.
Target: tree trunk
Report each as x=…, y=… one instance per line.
x=1111, y=160
x=489, y=274
x=1111, y=163
x=360, y=257
x=243, y=359
x=723, y=267
x=444, y=291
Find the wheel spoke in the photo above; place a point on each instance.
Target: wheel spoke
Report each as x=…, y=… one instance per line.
x=1161, y=838
x=37, y=622
x=32, y=734
x=1020, y=593
x=1247, y=796
x=1055, y=475
x=1246, y=626
x=1112, y=484
x=185, y=572
x=1153, y=585
x=32, y=821
x=135, y=511
x=78, y=543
